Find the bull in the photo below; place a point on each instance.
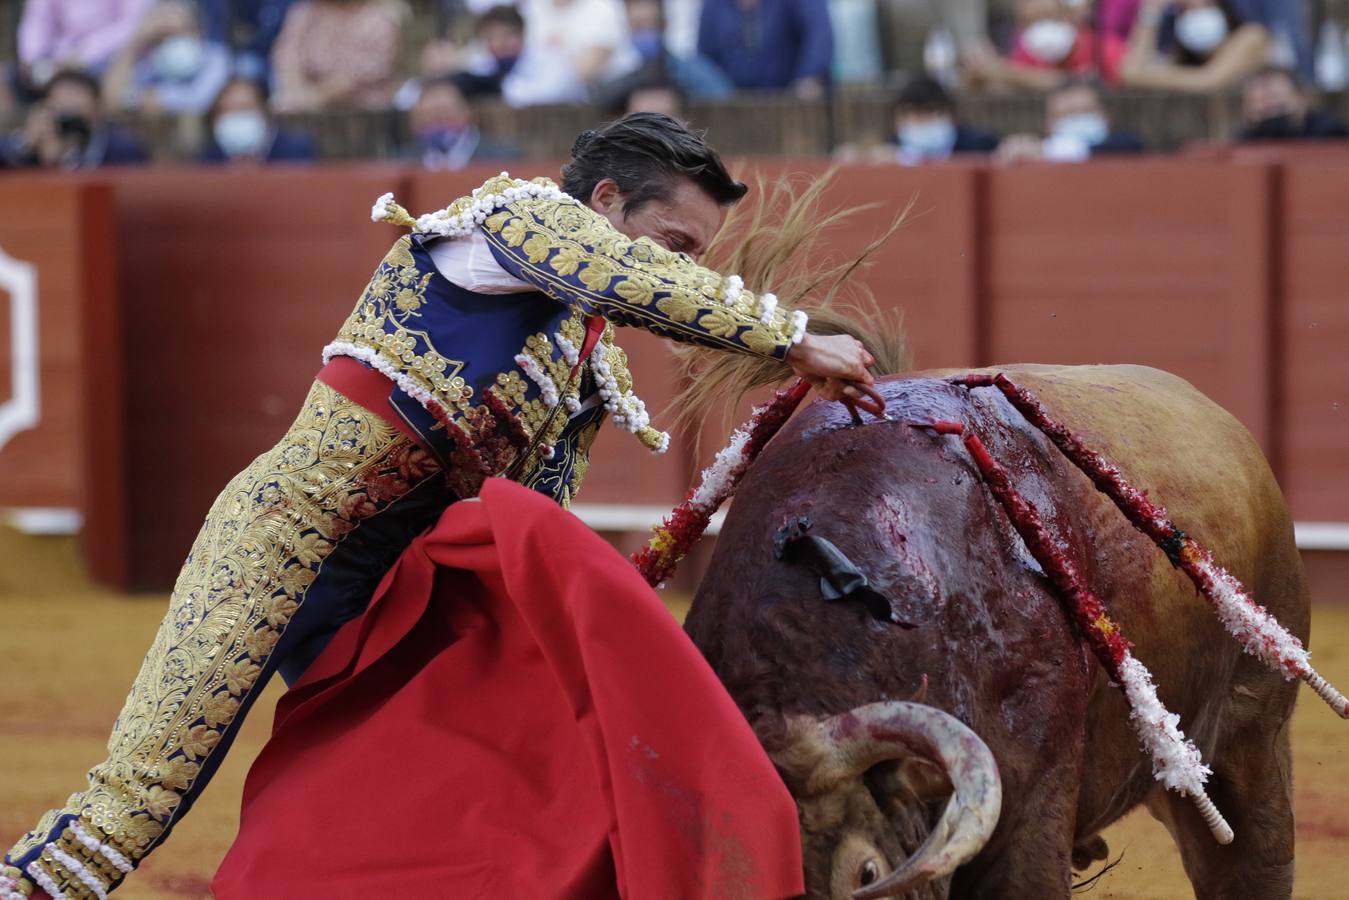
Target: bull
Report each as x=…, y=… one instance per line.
x=915, y=671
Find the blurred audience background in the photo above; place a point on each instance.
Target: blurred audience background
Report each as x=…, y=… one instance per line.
x=444, y=83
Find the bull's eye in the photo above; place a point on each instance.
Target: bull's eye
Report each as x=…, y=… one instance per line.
x=870, y=872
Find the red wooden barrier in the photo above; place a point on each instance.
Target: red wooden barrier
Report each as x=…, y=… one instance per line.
x=232, y=283
x=1162, y=264
x=1229, y=272
x=63, y=440
x=1313, y=339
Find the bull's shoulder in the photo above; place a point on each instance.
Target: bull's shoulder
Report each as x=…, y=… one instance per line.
x=1117, y=376
x=1119, y=401
x=1169, y=438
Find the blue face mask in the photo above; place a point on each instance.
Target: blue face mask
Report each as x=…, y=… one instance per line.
x=933, y=138
x=1088, y=127
x=441, y=138
x=649, y=43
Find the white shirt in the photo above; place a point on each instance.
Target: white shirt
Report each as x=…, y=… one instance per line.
x=468, y=263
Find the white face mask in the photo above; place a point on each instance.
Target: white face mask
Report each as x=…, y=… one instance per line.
x=932, y=138
x=1088, y=127
x=1049, y=40
x=177, y=58
x=1201, y=30
x=241, y=132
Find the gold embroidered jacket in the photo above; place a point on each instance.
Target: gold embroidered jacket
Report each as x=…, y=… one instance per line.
x=521, y=360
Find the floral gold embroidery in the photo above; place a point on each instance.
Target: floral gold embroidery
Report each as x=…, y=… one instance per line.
x=721, y=322
x=264, y=539
x=679, y=307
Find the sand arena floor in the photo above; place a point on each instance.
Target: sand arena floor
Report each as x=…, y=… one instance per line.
x=68, y=653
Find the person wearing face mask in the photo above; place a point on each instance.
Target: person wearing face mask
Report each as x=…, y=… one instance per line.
x=1275, y=108
x=1054, y=42
x=646, y=57
x=1076, y=125
x=1193, y=46
x=441, y=121
x=242, y=129
x=168, y=66
x=500, y=34
x=65, y=129
x=1077, y=129
x=927, y=129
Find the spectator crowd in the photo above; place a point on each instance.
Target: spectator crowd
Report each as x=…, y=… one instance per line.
x=243, y=69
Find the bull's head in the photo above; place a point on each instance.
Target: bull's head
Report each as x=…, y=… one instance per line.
x=854, y=774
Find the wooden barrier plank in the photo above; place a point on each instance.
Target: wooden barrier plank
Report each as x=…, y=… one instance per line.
x=103, y=495
x=41, y=225
x=1161, y=263
x=1315, y=338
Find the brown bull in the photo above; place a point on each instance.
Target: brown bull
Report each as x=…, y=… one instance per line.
x=963, y=604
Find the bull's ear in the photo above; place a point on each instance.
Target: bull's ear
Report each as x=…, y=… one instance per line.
x=925, y=780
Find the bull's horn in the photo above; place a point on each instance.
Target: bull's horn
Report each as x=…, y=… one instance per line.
x=891, y=730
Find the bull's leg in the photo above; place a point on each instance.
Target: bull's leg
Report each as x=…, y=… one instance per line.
x=1253, y=786
x=1038, y=864
x=1032, y=848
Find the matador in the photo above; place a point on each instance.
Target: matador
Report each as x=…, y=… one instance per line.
x=482, y=347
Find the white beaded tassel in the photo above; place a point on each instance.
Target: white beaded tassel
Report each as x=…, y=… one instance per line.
x=1176, y=761
x=1260, y=634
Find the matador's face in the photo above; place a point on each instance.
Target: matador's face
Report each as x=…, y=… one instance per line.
x=685, y=223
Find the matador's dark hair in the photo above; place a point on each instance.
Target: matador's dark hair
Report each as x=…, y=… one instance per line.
x=643, y=152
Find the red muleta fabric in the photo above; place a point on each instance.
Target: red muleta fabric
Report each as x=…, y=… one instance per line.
x=516, y=715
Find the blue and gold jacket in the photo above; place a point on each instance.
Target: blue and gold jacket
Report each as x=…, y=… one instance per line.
x=522, y=392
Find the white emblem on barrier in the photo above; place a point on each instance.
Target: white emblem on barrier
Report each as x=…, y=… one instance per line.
x=20, y=411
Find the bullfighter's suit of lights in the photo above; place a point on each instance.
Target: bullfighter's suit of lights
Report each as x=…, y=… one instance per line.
x=482, y=385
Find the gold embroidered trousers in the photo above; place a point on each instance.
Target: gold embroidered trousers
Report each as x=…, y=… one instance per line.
x=293, y=547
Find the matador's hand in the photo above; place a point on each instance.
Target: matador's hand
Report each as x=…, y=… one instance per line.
x=836, y=366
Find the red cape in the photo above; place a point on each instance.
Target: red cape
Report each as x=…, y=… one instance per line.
x=516, y=715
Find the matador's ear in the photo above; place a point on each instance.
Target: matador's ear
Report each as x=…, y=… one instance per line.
x=386, y=209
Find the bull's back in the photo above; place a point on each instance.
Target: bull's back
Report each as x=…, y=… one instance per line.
x=1191, y=455
x=1201, y=464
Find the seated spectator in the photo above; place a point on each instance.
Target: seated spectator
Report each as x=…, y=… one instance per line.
x=1196, y=46
x=645, y=55
x=940, y=34
x=575, y=39
x=441, y=122
x=648, y=90
x=167, y=66
x=335, y=53
x=65, y=129
x=500, y=33
x=249, y=28
x=1077, y=128
x=243, y=131
x=655, y=97
x=773, y=45
x=1290, y=32
x=1054, y=42
x=76, y=34
x=1274, y=108
x=928, y=129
